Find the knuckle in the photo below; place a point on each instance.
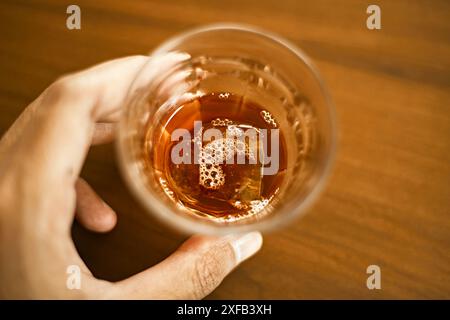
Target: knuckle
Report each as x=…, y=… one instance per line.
x=210, y=269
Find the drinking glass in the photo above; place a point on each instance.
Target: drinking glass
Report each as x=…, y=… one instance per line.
x=249, y=62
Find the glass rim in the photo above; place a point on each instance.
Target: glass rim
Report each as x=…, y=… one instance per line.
x=294, y=209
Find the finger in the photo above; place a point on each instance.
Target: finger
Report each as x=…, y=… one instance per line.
x=60, y=133
x=194, y=270
x=91, y=211
x=82, y=87
x=60, y=129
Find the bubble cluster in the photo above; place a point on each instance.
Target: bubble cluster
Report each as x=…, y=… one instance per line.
x=221, y=122
x=211, y=176
x=239, y=205
x=234, y=131
x=268, y=118
x=166, y=188
x=239, y=146
x=220, y=151
x=257, y=206
x=211, y=157
x=198, y=138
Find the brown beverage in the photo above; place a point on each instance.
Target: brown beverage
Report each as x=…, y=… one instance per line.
x=227, y=190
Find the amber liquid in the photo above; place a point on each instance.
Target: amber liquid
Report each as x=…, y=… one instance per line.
x=231, y=192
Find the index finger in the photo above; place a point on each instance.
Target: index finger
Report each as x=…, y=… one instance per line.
x=57, y=137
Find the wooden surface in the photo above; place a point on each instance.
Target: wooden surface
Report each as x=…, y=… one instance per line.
x=387, y=202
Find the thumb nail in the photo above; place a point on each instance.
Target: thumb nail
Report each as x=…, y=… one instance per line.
x=246, y=245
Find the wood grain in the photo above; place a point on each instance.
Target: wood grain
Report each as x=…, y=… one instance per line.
x=387, y=202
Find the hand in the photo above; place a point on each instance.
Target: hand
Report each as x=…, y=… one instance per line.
x=40, y=160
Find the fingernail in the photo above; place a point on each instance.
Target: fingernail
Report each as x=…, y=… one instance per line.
x=246, y=245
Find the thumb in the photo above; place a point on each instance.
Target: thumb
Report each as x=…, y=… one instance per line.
x=194, y=270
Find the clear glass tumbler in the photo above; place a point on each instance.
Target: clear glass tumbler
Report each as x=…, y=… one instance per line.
x=248, y=62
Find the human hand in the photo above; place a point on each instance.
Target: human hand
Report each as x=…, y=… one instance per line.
x=40, y=190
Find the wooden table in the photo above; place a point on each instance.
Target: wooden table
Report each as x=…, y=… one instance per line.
x=387, y=202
